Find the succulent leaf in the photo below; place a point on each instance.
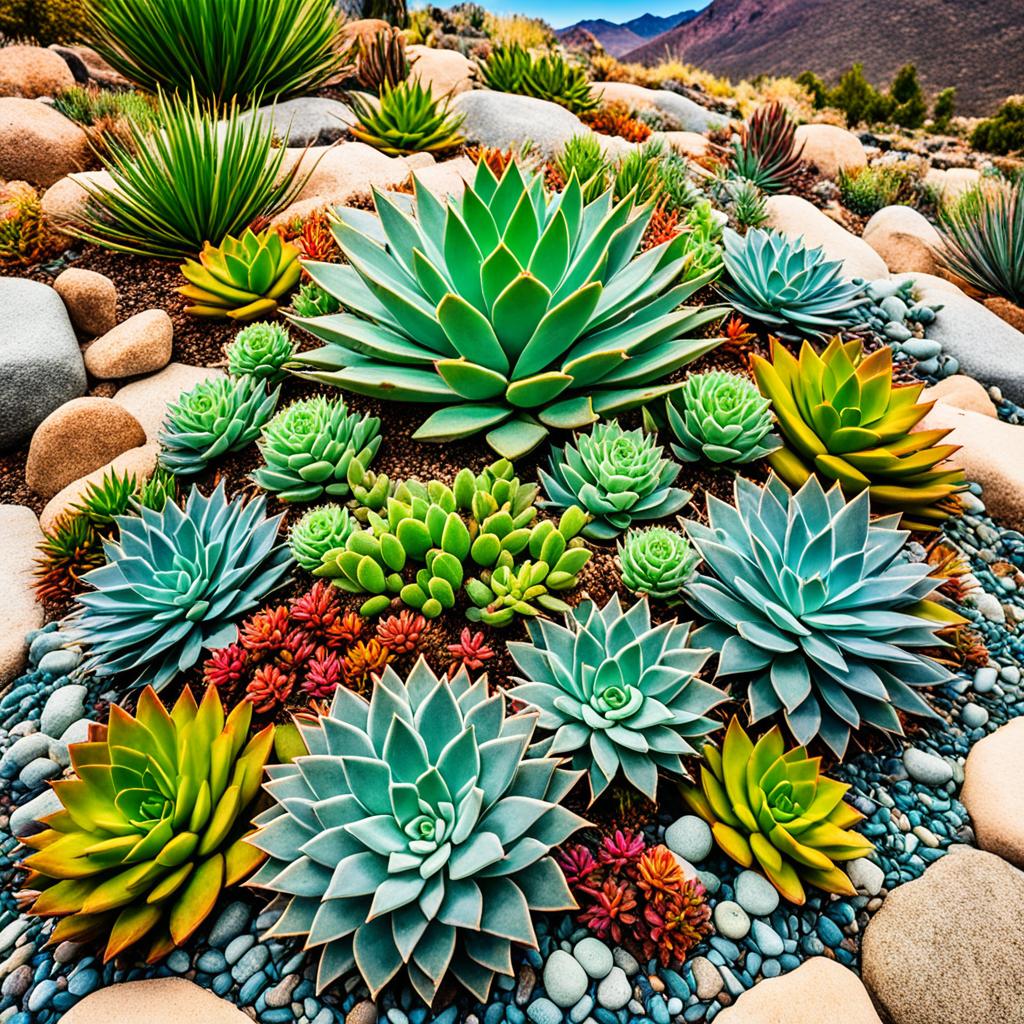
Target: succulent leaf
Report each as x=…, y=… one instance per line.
x=656, y=562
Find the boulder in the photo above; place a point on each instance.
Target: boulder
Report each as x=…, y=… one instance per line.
x=138, y=462
x=1006, y=310
x=830, y=148
x=77, y=438
x=808, y=995
x=962, y=392
x=952, y=182
x=502, y=119
x=38, y=144
x=31, y=71
x=65, y=200
x=20, y=612
x=40, y=362
x=682, y=111
x=447, y=72
x=361, y=31
x=904, y=238
x=947, y=948
x=449, y=177
x=91, y=299
x=305, y=121
x=690, y=144
x=155, y=1001
x=141, y=344
x=95, y=67
x=992, y=792
x=147, y=399
x=798, y=218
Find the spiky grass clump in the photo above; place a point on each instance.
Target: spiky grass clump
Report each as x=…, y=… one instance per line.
x=766, y=152
x=406, y=119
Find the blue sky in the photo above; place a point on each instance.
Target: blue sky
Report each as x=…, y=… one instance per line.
x=566, y=12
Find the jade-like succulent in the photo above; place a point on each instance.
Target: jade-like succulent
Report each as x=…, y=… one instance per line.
x=795, y=291
x=415, y=835
x=841, y=416
x=177, y=581
x=770, y=807
x=656, y=562
x=407, y=118
x=617, y=476
x=512, y=309
x=242, y=278
x=616, y=692
x=260, y=350
x=320, y=531
x=309, y=446
x=217, y=416
x=812, y=608
x=721, y=417
x=152, y=827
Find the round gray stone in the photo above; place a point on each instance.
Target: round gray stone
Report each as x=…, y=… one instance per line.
x=565, y=980
x=594, y=956
x=690, y=837
x=731, y=920
x=614, y=991
x=755, y=894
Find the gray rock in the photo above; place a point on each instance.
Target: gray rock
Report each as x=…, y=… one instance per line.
x=866, y=875
x=76, y=732
x=594, y=956
x=691, y=117
x=41, y=366
x=502, y=119
x=926, y=768
x=24, y=750
x=690, y=837
x=731, y=920
x=59, y=663
x=565, y=980
x=974, y=716
x=64, y=707
x=23, y=820
x=614, y=991
x=36, y=772
x=306, y=121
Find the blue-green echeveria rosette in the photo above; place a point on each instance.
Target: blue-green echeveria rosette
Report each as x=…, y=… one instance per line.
x=616, y=692
x=656, y=562
x=415, y=834
x=618, y=476
x=811, y=601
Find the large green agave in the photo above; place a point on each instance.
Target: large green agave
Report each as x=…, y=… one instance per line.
x=515, y=310
x=616, y=692
x=177, y=581
x=416, y=834
x=811, y=601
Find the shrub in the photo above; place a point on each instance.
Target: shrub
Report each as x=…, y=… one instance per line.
x=1003, y=133
x=218, y=49
x=107, y=114
x=45, y=21
x=766, y=152
x=153, y=827
x=549, y=77
x=909, y=108
x=260, y=351
x=433, y=822
x=637, y=173
x=24, y=237
x=406, y=119
x=810, y=601
x=866, y=190
x=944, y=109
x=859, y=99
x=515, y=345
x=656, y=562
x=583, y=157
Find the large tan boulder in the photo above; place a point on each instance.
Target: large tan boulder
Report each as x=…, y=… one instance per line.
x=904, y=238
x=362, y=31
x=447, y=72
x=20, y=612
x=31, y=71
x=447, y=178
x=952, y=182
x=947, y=948
x=155, y=1001
x=963, y=392
x=993, y=794
x=690, y=144
x=141, y=344
x=39, y=144
x=147, y=399
x=809, y=995
x=830, y=148
x=77, y=438
x=65, y=200
x=799, y=218
x=91, y=299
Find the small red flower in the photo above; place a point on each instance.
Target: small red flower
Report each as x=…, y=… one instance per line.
x=619, y=852
x=677, y=925
x=578, y=866
x=659, y=876
x=470, y=652
x=320, y=615
x=352, y=627
x=323, y=675
x=612, y=910
x=267, y=631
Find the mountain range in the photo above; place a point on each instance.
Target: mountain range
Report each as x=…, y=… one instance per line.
x=618, y=38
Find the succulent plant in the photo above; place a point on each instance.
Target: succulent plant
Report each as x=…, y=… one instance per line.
x=794, y=290
x=617, y=476
x=309, y=446
x=382, y=60
x=425, y=798
x=470, y=652
x=842, y=417
x=155, y=492
x=721, y=417
x=551, y=77
x=104, y=500
x=616, y=692
x=217, y=416
x=177, y=581
x=311, y=300
x=766, y=152
x=553, y=327
x=582, y=156
x=151, y=828
x=656, y=563
x=505, y=68
x=811, y=602
x=637, y=173
x=406, y=119
x=25, y=238
x=65, y=554
x=771, y=807
x=319, y=531
x=616, y=118
x=260, y=350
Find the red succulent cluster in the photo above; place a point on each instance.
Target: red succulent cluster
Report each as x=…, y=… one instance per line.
x=616, y=118
x=469, y=653
x=638, y=896
x=403, y=633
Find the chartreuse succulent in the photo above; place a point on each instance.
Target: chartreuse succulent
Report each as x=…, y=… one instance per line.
x=406, y=119
x=512, y=309
x=260, y=350
x=812, y=607
x=550, y=77
x=424, y=541
x=415, y=835
x=721, y=417
x=242, y=278
x=616, y=692
x=309, y=447
x=152, y=827
x=177, y=581
x=793, y=290
x=842, y=417
x=217, y=416
x=771, y=807
x=617, y=476
x=656, y=562
x=321, y=530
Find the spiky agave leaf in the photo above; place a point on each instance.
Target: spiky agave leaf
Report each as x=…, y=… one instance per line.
x=809, y=600
x=766, y=153
x=616, y=692
x=771, y=807
x=177, y=581
x=416, y=834
x=842, y=417
x=406, y=119
x=151, y=828
x=515, y=310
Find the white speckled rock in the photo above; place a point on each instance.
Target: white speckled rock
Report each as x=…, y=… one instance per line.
x=502, y=119
x=690, y=837
x=565, y=980
x=20, y=612
x=594, y=956
x=689, y=116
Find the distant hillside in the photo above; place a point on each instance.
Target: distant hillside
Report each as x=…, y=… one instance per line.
x=977, y=46
x=617, y=39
